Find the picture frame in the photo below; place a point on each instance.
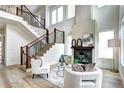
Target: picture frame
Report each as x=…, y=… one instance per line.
x=88, y=40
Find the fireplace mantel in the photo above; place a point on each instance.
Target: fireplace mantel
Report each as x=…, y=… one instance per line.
x=82, y=47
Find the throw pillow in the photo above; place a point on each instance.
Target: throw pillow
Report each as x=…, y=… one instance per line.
x=41, y=62
x=88, y=67
x=77, y=68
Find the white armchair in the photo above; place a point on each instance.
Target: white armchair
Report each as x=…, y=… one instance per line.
x=38, y=67
x=74, y=79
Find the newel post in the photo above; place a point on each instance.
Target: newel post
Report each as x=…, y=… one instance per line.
x=63, y=37
x=44, y=23
x=17, y=13
x=21, y=55
x=21, y=9
x=47, y=36
x=26, y=56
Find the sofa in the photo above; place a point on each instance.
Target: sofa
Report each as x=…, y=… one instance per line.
x=73, y=79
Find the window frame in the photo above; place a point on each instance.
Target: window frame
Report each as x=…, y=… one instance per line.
x=67, y=12
x=56, y=8
x=58, y=14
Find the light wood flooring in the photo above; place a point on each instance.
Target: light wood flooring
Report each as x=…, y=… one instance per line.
x=14, y=77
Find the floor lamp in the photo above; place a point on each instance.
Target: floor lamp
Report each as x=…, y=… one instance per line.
x=112, y=44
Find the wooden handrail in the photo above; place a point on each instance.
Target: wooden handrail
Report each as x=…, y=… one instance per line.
x=51, y=33
x=34, y=40
x=58, y=30
x=40, y=38
x=61, y=32
x=43, y=38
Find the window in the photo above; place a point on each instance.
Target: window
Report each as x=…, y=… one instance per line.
x=57, y=15
x=104, y=50
x=71, y=11
x=60, y=14
x=54, y=17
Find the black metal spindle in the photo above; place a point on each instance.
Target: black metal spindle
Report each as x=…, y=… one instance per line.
x=54, y=35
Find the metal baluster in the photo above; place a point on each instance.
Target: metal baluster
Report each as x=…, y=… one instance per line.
x=3, y=8
x=28, y=18
x=0, y=7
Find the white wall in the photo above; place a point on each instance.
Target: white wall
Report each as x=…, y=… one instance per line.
x=67, y=27
x=47, y=15
x=14, y=39
x=53, y=54
x=70, y=26
x=107, y=17
x=83, y=13
x=121, y=60
x=84, y=27
x=8, y=18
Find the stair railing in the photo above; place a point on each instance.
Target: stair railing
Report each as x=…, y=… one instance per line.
x=33, y=48
x=26, y=14
x=30, y=17
x=8, y=8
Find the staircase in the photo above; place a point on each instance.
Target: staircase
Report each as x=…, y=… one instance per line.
x=44, y=42
x=40, y=47
x=23, y=18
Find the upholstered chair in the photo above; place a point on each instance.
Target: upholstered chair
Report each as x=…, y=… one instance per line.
x=38, y=67
x=73, y=79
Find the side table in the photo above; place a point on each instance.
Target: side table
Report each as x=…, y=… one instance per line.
x=61, y=69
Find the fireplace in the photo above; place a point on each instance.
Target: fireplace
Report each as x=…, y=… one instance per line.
x=82, y=55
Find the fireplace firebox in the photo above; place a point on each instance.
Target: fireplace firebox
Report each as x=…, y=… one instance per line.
x=82, y=55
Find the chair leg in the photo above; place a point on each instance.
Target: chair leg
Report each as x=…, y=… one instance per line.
x=33, y=76
x=47, y=75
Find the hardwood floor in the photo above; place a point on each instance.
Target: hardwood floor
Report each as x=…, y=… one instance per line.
x=14, y=77
x=111, y=80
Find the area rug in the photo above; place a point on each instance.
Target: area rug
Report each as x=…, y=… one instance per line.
x=56, y=77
